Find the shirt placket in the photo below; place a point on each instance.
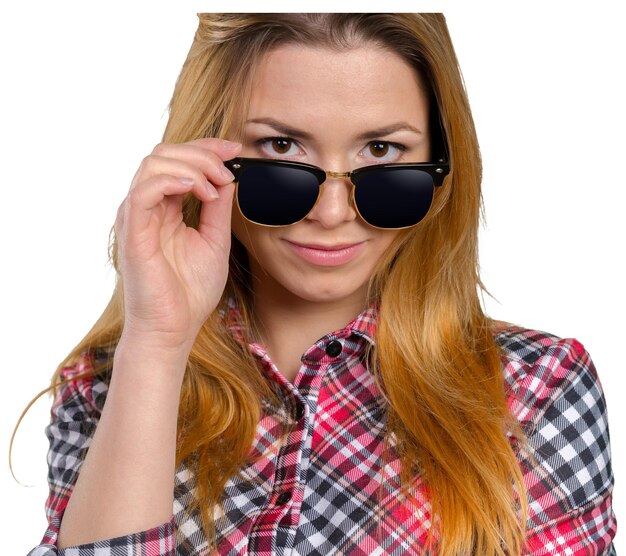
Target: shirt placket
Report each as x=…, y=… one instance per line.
x=275, y=528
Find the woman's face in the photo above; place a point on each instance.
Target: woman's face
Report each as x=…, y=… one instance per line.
x=340, y=111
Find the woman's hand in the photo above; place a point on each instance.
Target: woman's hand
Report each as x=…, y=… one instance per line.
x=174, y=275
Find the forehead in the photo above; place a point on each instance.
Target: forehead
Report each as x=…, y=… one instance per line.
x=317, y=87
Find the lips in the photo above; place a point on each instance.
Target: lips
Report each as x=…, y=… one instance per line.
x=320, y=247
x=327, y=255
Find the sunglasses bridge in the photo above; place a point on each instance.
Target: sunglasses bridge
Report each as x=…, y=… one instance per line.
x=330, y=174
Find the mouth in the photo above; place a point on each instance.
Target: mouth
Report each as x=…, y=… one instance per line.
x=327, y=255
x=320, y=247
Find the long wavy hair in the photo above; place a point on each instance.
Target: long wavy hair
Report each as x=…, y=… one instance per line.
x=435, y=358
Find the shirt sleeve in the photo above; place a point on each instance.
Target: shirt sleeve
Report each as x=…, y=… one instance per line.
x=74, y=416
x=568, y=474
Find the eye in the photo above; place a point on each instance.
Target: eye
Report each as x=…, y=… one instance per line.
x=277, y=146
x=380, y=149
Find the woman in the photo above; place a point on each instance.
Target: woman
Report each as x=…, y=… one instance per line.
x=328, y=382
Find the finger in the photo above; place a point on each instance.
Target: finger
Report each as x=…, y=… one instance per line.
x=143, y=201
x=201, y=152
x=215, y=217
x=208, y=154
x=206, y=161
x=204, y=189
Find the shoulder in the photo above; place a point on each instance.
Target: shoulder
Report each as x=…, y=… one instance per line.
x=541, y=368
x=555, y=393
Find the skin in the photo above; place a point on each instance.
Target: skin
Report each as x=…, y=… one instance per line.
x=174, y=275
x=334, y=97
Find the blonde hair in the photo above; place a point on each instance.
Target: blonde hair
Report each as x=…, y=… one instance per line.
x=435, y=358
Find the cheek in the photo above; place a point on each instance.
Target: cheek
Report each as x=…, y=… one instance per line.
x=388, y=239
x=387, y=243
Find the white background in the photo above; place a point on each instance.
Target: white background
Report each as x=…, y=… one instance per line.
x=83, y=99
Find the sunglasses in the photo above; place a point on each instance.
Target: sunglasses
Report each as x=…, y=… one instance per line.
x=388, y=196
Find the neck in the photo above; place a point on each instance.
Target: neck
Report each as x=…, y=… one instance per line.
x=287, y=325
x=279, y=312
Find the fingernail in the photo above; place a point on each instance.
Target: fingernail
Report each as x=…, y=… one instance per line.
x=230, y=144
x=186, y=181
x=227, y=173
x=213, y=194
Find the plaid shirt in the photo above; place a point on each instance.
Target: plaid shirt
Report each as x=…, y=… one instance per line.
x=317, y=493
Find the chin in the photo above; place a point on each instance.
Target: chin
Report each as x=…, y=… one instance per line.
x=325, y=291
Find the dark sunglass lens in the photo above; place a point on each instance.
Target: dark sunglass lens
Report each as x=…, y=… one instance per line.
x=394, y=198
x=276, y=195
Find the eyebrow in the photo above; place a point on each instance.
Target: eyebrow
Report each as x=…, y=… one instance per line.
x=300, y=134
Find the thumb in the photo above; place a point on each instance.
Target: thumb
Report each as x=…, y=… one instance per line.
x=215, y=216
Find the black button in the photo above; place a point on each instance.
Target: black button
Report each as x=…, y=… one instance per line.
x=334, y=348
x=299, y=412
x=283, y=498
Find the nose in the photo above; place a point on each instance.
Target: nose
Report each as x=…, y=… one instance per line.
x=334, y=205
